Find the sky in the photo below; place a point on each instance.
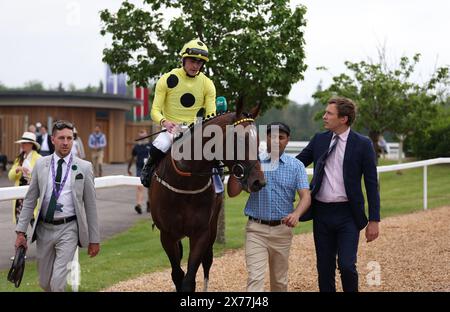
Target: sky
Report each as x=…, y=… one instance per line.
x=58, y=40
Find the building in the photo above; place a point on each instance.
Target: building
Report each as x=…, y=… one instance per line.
x=18, y=109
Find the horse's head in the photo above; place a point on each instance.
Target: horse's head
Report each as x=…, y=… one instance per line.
x=241, y=141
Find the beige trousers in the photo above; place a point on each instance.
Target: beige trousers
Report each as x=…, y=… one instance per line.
x=267, y=244
x=55, y=248
x=97, y=161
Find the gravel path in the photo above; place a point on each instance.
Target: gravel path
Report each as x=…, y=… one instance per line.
x=411, y=254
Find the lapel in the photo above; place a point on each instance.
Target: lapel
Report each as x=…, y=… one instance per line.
x=75, y=170
x=45, y=175
x=325, y=143
x=348, y=151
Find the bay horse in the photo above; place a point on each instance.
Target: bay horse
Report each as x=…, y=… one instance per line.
x=183, y=201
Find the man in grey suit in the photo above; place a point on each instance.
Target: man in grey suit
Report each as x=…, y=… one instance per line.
x=67, y=212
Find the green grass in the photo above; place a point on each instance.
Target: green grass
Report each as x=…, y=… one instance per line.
x=138, y=249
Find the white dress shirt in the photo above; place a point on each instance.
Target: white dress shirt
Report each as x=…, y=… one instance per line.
x=332, y=189
x=65, y=198
x=44, y=145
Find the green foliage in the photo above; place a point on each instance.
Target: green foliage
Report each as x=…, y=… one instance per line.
x=256, y=47
x=387, y=100
x=300, y=118
x=33, y=85
x=435, y=140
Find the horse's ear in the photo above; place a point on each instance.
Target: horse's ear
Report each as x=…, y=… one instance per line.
x=255, y=110
x=239, y=106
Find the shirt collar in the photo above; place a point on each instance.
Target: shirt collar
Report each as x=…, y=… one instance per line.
x=56, y=158
x=265, y=157
x=343, y=136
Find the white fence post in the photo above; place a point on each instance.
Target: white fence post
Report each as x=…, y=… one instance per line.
x=425, y=187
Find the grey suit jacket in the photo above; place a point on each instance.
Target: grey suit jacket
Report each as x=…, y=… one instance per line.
x=83, y=195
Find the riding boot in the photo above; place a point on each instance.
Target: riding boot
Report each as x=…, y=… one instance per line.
x=154, y=157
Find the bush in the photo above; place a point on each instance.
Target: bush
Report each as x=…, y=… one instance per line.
x=434, y=141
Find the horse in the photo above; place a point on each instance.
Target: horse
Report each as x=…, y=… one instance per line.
x=184, y=203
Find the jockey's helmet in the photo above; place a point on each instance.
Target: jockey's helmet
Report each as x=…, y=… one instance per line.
x=195, y=49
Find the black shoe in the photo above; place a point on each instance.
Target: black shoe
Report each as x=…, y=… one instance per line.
x=148, y=207
x=138, y=209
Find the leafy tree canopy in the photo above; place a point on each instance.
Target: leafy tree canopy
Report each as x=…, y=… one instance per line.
x=256, y=47
x=387, y=99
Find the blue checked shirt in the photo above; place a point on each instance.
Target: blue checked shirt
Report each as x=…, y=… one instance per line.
x=276, y=199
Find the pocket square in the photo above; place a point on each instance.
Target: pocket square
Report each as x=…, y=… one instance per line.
x=79, y=176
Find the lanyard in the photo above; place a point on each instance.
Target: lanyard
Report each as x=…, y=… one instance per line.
x=61, y=185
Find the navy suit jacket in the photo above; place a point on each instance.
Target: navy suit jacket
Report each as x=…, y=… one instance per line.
x=49, y=142
x=359, y=160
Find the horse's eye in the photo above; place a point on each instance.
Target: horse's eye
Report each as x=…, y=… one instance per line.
x=238, y=171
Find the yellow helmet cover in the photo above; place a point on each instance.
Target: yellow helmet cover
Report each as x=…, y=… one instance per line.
x=196, y=49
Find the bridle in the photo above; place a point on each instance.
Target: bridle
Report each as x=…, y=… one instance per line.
x=238, y=170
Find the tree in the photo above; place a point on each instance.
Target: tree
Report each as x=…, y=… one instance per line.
x=33, y=85
x=435, y=140
x=387, y=99
x=256, y=47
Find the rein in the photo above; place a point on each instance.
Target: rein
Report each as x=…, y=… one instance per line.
x=206, y=174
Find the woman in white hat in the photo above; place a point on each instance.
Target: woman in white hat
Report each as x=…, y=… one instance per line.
x=22, y=167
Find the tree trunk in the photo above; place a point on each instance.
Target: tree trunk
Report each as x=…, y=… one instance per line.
x=401, y=139
x=375, y=136
x=220, y=238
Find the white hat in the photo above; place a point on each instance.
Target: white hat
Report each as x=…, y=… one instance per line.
x=29, y=137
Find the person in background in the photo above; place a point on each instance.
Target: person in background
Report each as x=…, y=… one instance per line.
x=45, y=140
x=77, y=147
x=22, y=167
x=32, y=128
x=271, y=215
x=3, y=163
x=384, y=148
x=139, y=154
x=97, y=143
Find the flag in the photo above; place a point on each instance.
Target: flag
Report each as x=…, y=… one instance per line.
x=142, y=112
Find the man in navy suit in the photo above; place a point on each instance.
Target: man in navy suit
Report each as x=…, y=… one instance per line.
x=341, y=157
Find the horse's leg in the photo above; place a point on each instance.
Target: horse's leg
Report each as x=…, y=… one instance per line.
x=206, y=264
x=209, y=256
x=174, y=251
x=196, y=254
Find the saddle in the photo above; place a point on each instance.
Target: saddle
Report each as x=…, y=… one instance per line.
x=15, y=274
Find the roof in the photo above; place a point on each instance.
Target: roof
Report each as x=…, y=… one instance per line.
x=67, y=99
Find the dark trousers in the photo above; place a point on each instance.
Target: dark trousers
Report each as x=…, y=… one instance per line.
x=335, y=234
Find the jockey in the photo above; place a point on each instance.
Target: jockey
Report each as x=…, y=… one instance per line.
x=179, y=96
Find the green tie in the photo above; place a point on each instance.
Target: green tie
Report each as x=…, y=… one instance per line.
x=52, y=205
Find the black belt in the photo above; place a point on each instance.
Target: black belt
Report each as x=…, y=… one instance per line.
x=266, y=222
x=61, y=221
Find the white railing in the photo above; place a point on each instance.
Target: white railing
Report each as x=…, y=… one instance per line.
x=295, y=147
x=16, y=192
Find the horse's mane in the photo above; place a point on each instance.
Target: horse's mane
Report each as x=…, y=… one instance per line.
x=209, y=118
